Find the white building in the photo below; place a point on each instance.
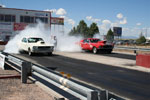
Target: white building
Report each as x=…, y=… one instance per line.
x=13, y=20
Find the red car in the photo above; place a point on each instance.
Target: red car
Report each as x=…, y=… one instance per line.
x=95, y=45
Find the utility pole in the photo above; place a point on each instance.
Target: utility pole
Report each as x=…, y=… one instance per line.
x=146, y=32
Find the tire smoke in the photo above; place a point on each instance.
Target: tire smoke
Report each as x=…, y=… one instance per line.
x=64, y=42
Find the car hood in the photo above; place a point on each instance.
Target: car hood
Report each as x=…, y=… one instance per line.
x=41, y=43
x=101, y=43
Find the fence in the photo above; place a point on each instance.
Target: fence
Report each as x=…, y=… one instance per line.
x=132, y=48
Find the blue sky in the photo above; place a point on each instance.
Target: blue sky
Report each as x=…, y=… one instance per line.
x=132, y=15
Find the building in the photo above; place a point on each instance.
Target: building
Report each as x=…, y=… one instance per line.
x=13, y=20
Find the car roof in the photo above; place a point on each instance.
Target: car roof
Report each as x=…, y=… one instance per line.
x=32, y=37
x=92, y=38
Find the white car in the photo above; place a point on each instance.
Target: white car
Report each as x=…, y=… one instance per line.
x=35, y=45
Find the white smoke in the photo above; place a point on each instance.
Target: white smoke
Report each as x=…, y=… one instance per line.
x=64, y=42
x=68, y=43
x=99, y=36
x=38, y=30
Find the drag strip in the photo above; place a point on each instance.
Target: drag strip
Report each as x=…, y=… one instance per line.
x=116, y=55
x=119, y=55
x=127, y=83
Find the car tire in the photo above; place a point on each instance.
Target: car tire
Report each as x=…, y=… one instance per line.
x=50, y=53
x=29, y=52
x=109, y=51
x=95, y=50
x=20, y=51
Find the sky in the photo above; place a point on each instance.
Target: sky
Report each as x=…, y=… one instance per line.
x=132, y=15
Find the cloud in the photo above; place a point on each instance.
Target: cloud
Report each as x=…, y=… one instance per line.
x=138, y=24
x=61, y=11
x=105, y=26
x=119, y=16
x=124, y=21
x=51, y=10
x=90, y=18
x=2, y=5
x=106, y=21
x=116, y=24
x=133, y=32
x=68, y=20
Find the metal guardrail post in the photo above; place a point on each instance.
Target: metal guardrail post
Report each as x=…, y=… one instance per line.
x=59, y=99
x=25, y=71
x=103, y=95
x=92, y=95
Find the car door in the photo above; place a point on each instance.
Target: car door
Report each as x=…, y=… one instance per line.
x=24, y=44
x=85, y=44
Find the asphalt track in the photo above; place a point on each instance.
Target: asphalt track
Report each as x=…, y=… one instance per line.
x=127, y=83
x=119, y=55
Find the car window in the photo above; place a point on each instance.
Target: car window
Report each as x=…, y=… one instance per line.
x=86, y=41
x=24, y=40
x=34, y=40
x=94, y=40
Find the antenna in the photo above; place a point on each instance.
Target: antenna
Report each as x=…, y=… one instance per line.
x=146, y=32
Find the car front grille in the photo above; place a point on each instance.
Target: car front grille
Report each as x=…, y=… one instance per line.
x=106, y=47
x=45, y=48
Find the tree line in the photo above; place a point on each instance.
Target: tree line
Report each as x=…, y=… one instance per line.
x=83, y=30
x=88, y=32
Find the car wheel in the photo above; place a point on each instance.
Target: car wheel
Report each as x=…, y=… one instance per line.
x=109, y=51
x=20, y=51
x=29, y=52
x=94, y=50
x=50, y=53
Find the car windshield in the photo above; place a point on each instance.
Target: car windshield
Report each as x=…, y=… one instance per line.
x=34, y=40
x=94, y=40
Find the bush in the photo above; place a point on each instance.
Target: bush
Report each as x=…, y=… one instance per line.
x=141, y=40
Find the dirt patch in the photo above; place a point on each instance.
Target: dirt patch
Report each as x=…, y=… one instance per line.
x=13, y=89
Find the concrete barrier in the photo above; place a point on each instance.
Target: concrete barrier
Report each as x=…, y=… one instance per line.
x=143, y=60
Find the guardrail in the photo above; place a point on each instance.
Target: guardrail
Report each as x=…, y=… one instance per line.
x=132, y=48
x=70, y=89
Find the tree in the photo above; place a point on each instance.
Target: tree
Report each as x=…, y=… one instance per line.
x=110, y=35
x=93, y=29
x=85, y=31
x=82, y=28
x=73, y=31
x=141, y=39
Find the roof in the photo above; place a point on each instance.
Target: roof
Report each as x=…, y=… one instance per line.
x=25, y=9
